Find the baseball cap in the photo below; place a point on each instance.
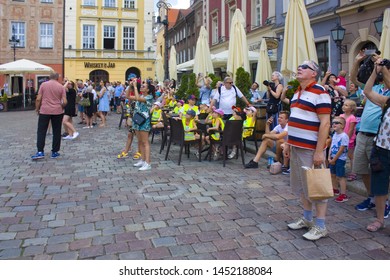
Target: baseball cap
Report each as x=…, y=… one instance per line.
x=132, y=76
x=191, y=113
x=237, y=109
x=219, y=111
x=181, y=102
x=192, y=97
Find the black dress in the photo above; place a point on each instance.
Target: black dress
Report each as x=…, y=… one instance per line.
x=90, y=109
x=70, y=108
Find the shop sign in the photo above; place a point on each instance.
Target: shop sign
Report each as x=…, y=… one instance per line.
x=99, y=65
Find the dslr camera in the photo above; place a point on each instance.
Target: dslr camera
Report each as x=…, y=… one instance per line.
x=385, y=62
x=268, y=83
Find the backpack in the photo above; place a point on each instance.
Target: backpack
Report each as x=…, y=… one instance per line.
x=219, y=91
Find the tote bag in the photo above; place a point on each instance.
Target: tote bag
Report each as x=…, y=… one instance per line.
x=319, y=183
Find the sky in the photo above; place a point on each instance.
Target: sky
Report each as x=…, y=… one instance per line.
x=177, y=4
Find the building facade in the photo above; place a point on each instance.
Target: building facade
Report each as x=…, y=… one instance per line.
x=108, y=39
x=31, y=29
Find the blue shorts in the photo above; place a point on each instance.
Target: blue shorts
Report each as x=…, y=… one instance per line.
x=380, y=180
x=338, y=168
x=80, y=108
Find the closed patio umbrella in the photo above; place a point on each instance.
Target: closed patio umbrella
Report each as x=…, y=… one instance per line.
x=298, y=37
x=238, y=46
x=172, y=64
x=159, y=68
x=264, y=70
x=384, y=45
x=202, y=59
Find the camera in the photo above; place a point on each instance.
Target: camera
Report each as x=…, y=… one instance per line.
x=268, y=83
x=385, y=62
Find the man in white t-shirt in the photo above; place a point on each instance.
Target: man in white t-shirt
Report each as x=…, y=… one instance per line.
x=226, y=98
x=273, y=139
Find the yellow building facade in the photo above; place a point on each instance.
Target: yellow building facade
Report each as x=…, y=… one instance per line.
x=108, y=40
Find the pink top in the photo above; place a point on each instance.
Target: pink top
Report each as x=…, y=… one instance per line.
x=52, y=95
x=342, y=81
x=348, y=121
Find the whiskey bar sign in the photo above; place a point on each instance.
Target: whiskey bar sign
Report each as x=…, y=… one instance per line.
x=99, y=65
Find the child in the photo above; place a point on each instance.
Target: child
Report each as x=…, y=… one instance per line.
x=189, y=106
x=349, y=109
x=337, y=158
x=178, y=107
x=217, y=124
x=341, y=81
x=173, y=102
x=189, y=126
x=156, y=120
x=236, y=114
x=203, y=108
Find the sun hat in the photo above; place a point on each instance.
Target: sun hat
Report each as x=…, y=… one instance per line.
x=237, y=109
x=192, y=97
x=181, y=102
x=219, y=111
x=158, y=104
x=251, y=108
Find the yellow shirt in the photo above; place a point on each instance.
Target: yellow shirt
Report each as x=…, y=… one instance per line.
x=217, y=135
x=249, y=122
x=187, y=107
x=156, y=116
x=188, y=135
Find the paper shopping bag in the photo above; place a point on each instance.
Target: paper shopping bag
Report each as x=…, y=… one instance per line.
x=319, y=183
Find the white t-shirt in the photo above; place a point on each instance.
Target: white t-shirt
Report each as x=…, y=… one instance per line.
x=279, y=129
x=338, y=140
x=383, y=139
x=228, y=99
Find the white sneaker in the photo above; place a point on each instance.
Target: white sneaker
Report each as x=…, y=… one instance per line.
x=75, y=135
x=68, y=137
x=85, y=127
x=232, y=154
x=139, y=163
x=315, y=233
x=301, y=223
x=145, y=166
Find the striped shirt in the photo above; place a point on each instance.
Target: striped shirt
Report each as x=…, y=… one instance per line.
x=304, y=123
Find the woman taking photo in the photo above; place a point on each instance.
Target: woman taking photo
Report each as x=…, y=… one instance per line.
x=70, y=111
x=144, y=101
x=274, y=92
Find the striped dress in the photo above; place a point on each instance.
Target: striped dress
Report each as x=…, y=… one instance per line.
x=303, y=124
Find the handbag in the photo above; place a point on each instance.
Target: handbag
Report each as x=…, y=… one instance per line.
x=275, y=168
x=139, y=118
x=272, y=108
x=319, y=183
x=85, y=102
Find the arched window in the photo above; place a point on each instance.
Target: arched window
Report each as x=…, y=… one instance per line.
x=97, y=75
x=132, y=70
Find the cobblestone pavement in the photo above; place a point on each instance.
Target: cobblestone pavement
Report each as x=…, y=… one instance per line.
x=90, y=205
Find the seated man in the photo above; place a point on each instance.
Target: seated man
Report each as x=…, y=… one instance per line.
x=272, y=139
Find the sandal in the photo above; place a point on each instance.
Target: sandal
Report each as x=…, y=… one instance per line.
x=375, y=226
x=137, y=155
x=123, y=155
x=351, y=177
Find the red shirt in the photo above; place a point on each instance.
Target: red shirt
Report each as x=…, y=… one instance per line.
x=52, y=95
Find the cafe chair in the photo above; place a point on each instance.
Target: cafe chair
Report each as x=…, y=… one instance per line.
x=177, y=137
x=166, y=132
x=123, y=116
x=154, y=131
x=230, y=136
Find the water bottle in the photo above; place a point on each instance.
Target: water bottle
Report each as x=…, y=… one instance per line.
x=270, y=161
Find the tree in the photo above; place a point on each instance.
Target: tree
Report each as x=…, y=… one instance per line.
x=243, y=82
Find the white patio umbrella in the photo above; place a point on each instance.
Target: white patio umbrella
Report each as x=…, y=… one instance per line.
x=202, y=59
x=298, y=37
x=264, y=70
x=24, y=66
x=159, y=68
x=384, y=45
x=172, y=64
x=238, y=46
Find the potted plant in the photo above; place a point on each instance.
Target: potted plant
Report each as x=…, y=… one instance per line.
x=3, y=103
x=243, y=82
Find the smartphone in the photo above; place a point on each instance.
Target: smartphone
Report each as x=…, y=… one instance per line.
x=369, y=52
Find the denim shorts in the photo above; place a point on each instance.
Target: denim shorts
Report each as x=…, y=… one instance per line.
x=80, y=108
x=380, y=180
x=338, y=168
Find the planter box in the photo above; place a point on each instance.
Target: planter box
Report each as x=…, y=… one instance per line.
x=3, y=106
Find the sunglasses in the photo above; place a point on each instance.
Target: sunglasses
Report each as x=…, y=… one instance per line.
x=229, y=83
x=305, y=66
x=336, y=122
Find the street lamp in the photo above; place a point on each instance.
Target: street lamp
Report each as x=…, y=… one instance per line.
x=379, y=25
x=165, y=6
x=13, y=41
x=338, y=34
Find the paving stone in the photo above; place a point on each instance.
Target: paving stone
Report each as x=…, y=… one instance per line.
x=157, y=253
x=204, y=247
x=91, y=252
x=12, y=253
x=60, y=239
x=87, y=234
x=248, y=253
x=33, y=250
x=35, y=241
x=137, y=255
x=164, y=241
x=57, y=248
x=66, y=256
x=226, y=255
x=116, y=248
x=181, y=251
x=7, y=235
x=9, y=244
x=154, y=225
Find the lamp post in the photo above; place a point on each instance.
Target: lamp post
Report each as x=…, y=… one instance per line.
x=13, y=41
x=165, y=6
x=338, y=34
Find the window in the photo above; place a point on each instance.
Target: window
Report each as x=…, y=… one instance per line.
x=307, y=2
x=285, y=5
x=89, y=3
x=109, y=3
x=109, y=37
x=46, y=1
x=323, y=55
x=18, y=30
x=129, y=4
x=88, y=36
x=214, y=30
x=128, y=38
x=46, y=35
x=258, y=13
